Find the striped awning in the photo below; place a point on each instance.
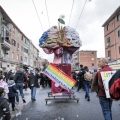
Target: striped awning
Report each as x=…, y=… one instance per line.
x=115, y=67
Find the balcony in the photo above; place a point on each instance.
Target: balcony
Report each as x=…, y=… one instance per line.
x=6, y=28
x=5, y=57
x=5, y=42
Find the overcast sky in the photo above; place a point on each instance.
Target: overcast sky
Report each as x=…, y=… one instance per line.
x=90, y=29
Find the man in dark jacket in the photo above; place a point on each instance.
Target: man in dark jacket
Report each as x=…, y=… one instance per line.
x=8, y=75
x=80, y=77
x=33, y=83
x=106, y=103
x=4, y=106
x=20, y=77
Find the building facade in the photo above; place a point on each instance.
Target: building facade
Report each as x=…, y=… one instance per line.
x=112, y=37
x=86, y=58
x=15, y=47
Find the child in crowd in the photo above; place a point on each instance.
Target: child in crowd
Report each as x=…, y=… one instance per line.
x=4, y=106
x=12, y=91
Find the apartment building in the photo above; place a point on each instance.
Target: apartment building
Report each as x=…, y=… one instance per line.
x=85, y=57
x=112, y=37
x=15, y=47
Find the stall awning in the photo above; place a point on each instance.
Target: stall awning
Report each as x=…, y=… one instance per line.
x=115, y=67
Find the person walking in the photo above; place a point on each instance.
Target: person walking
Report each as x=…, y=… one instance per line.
x=33, y=83
x=26, y=82
x=5, y=74
x=12, y=91
x=80, y=78
x=105, y=103
x=20, y=77
x=97, y=85
x=8, y=75
x=86, y=82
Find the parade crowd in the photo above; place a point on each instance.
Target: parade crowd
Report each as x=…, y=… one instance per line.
x=12, y=83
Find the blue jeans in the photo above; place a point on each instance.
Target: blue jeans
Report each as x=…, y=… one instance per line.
x=106, y=105
x=20, y=88
x=33, y=92
x=86, y=86
x=17, y=97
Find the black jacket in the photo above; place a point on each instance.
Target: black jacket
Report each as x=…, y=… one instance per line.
x=81, y=74
x=12, y=88
x=114, y=85
x=33, y=80
x=114, y=78
x=20, y=77
x=4, y=109
x=9, y=74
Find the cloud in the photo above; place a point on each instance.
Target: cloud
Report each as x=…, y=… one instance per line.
x=90, y=28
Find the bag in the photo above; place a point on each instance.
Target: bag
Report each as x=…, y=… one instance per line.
x=88, y=76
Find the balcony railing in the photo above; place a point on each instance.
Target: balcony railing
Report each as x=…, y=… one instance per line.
x=5, y=43
x=6, y=27
x=5, y=57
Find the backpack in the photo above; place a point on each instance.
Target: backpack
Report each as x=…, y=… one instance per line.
x=88, y=76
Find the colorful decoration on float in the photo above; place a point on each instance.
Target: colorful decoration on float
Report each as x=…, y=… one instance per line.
x=59, y=76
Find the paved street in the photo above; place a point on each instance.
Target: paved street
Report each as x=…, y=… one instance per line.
x=65, y=110
x=20, y=106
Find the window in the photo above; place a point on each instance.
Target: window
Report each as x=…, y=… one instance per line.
x=119, y=33
x=2, y=32
x=13, y=29
x=118, y=17
x=21, y=58
x=26, y=41
x=34, y=63
x=25, y=50
x=25, y=59
x=22, y=38
x=108, y=40
x=17, y=57
x=21, y=48
x=119, y=49
x=17, y=45
x=18, y=34
x=92, y=64
x=12, y=54
x=92, y=53
x=108, y=27
x=13, y=42
x=109, y=53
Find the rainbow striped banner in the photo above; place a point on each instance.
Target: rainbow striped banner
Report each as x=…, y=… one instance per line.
x=59, y=76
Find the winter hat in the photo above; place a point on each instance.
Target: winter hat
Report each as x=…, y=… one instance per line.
x=95, y=70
